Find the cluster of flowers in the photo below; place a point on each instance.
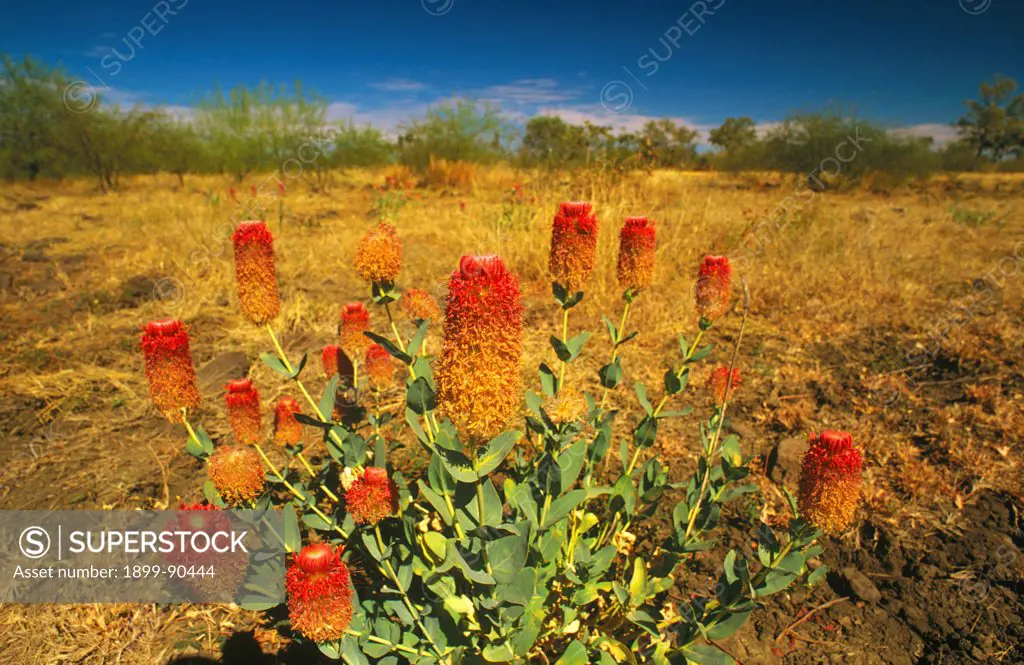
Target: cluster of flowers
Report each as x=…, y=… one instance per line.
x=479, y=380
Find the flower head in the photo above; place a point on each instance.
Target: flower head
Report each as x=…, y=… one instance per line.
x=379, y=255
x=169, y=369
x=319, y=593
x=244, y=411
x=718, y=381
x=287, y=430
x=355, y=320
x=714, y=286
x=419, y=305
x=231, y=566
x=479, y=378
x=237, y=474
x=255, y=272
x=567, y=407
x=635, y=268
x=281, y=189
x=830, y=481
x=380, y=366
x=372, y=496
x=233, y=193
x=573, y=245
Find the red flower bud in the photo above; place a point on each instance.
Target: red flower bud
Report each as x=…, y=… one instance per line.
x=479, y=378
x=244, y=411
x=255, y=273
x=830, y=481
x=329, y=358
x=169, y=369
x=714, y=286
x=573, y=245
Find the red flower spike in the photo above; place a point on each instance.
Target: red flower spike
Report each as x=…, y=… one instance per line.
x=169, y=368
x=635, y=268
x=355, y=320
x=718, y=381
x=372, y=496
x=573, y=245
x=830, y=481
x=714, y=287
x=479, y=377
x=319, y=590
x=329, y=359
x=287, y=430
x=380, y=366
x=255, y=272
x=244, y=411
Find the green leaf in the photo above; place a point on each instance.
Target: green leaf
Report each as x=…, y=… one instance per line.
x=420, y=396
x=611, y=374
x=329, y=396
x=548, y=380
x=274, y=363
x=390, y=346
x=701, y=353
x=436, y=544
x=495, y=452
x=316, y=522
x=641, y=395
x=818, y=575
x=706, y=654
x=436, y=501
x=638, y=583
x=507, y=555
x=292, y=534
x=646, y=433
x=570, y=461
x=574, y=654
x=457, y=464
x=775, y=581
x=498, y=653
x=561, y=506
x=416, y=343
x=728, y=626
x=684, y=346
x=613, y=332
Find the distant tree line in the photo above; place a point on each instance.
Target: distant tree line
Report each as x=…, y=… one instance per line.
x=52, y=127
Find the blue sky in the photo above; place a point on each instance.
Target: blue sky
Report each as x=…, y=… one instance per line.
x=907, y=63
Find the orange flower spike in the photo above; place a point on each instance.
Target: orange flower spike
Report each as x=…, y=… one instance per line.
x=287, y=430
x=479, y=377
x=255, y=273
x=830, y=481
x=355, y=320
x=169, y=368
x=378, y=258
x=372, y=497
x=635, y=268
x=237, y=474
x=714, y=287
x=419, y=305
x=319, y=589
x=243, y=402
x=573, y=246
x=329, y=359
x=719, y=379
x=379, y=366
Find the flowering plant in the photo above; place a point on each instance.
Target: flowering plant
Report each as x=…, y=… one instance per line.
x=517, y=543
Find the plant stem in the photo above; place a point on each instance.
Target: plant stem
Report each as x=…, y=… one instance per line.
x=615, y=348
x=306, y=501
x=405, y=597
x=713, y=444
x=380, y=640
x=565, y=335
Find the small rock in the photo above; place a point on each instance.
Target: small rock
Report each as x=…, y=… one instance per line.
x=223, y=368
x=784, y=460
x=860, y=585
x=137, y=289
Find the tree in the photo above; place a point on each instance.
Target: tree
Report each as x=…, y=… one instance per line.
x=734, y=134
x=994, y=124
x=664, y=144
x=457, y=131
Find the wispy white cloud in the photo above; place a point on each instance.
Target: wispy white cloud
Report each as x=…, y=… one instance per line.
x=940, y=133
x=622, y=122
x=528, y=91
x=400, y=85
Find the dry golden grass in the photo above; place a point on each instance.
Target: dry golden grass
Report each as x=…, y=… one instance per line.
x=853, y=282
